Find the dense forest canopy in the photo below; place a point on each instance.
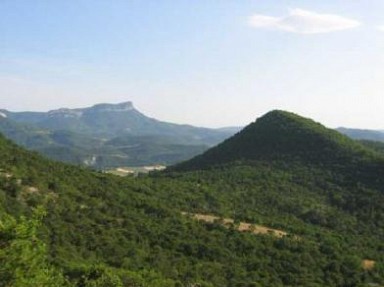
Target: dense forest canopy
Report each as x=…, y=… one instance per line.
x=70, y=226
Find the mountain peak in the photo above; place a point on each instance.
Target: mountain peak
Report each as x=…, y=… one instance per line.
x=283, y=119
x=78, y=113
x=121, y=107
x=282, y=136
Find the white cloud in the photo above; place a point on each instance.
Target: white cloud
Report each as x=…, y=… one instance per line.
x=303, y=22
x=380, y=28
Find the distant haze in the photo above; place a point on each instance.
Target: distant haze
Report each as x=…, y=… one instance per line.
x=205, y=63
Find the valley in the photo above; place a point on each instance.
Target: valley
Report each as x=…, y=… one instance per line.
x=134, y=170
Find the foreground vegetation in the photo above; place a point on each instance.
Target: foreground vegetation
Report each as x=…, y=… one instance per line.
x=69, y=226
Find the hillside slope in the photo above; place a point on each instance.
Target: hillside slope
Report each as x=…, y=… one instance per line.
x=134, y=230
x=316, y=164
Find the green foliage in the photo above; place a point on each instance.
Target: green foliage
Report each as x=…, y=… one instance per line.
x=375, y=145
x=23, y=261
x=98, y=276
x=103, y=230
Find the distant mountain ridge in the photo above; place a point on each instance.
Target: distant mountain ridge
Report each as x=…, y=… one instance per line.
x=109, y=120
x=362, y=134
x=82, y=135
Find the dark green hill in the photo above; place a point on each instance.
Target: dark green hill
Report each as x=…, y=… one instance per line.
x=283, y=136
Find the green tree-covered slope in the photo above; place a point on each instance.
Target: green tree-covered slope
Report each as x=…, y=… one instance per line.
x=281, y=135
x=100, y=228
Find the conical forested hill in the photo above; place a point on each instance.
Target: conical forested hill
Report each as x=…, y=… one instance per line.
x=283, y=136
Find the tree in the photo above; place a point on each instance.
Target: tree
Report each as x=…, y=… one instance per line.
x=23, y=256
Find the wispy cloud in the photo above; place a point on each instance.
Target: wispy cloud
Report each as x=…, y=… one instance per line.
x=380, y=28
x=303, y=22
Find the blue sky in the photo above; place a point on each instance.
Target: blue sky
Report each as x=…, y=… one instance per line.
x=207, y=63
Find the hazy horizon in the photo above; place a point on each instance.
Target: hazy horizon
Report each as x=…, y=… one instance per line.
x=210, y=64
x=213, y=127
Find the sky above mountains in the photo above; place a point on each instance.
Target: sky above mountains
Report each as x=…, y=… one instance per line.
x=206, y=63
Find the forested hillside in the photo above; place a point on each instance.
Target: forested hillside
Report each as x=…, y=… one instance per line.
x=322, y=189
x=377, y=146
